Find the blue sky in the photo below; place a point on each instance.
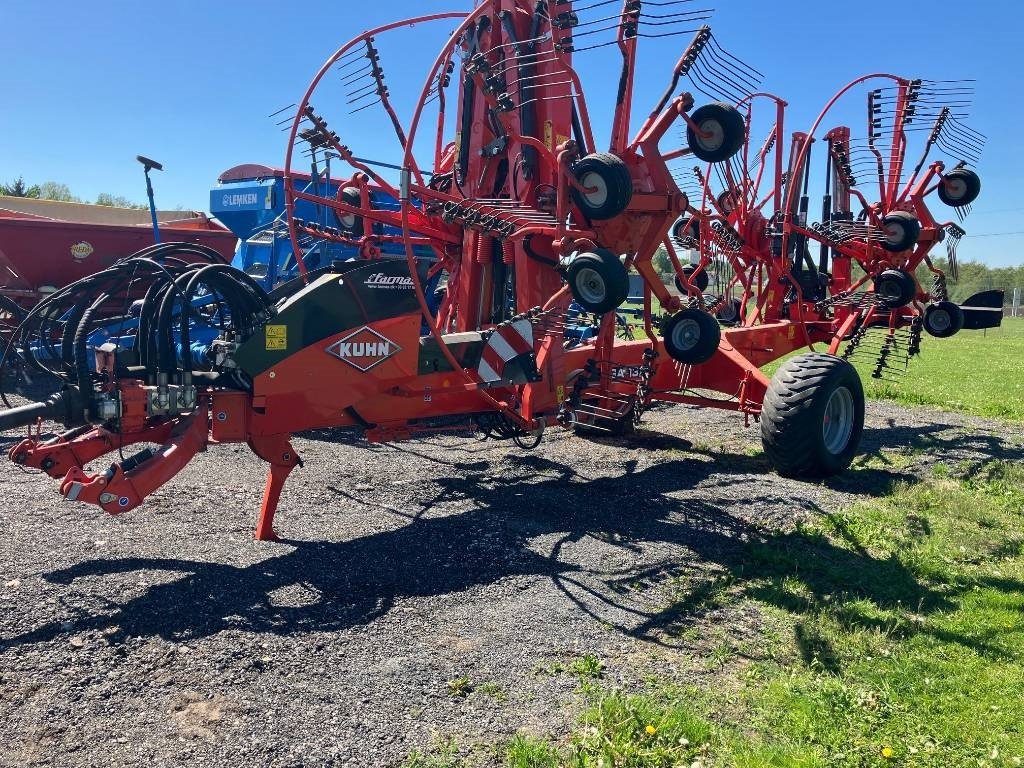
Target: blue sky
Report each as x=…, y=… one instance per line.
x=87, y=86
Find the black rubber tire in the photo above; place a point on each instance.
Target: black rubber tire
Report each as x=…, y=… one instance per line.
x=728, y=125
x=896, y=288
x=701, y=283
x=794, y=411
x=731, y=312
x=351, y=225
x=691, y=336
x=908, y=227
x=613, y=175
x=599, y=282
x=692, y=232
x=727, y=202
x=960, y=187
x=943, y=319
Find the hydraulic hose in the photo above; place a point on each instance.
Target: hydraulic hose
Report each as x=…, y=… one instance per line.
x=60, y=407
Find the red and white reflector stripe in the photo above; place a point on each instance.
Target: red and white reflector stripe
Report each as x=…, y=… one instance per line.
x=506, y=343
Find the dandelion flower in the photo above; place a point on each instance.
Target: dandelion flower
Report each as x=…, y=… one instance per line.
x=888, y=753
x=650, y=730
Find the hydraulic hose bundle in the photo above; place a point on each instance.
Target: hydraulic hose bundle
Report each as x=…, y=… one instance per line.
x=162, y=293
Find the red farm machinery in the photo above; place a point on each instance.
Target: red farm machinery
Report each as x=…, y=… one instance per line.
x=499, y=187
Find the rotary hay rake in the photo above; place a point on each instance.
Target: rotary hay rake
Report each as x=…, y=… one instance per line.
x=501, y=188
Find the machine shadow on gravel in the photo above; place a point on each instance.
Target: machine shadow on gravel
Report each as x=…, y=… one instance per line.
x=682, y=516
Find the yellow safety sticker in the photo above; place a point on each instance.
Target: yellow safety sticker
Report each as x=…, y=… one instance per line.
x=276, y=337
x=560, y=394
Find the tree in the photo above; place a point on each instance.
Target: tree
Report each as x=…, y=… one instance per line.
x=116, y=201
x=54, y=190
x=18, y=189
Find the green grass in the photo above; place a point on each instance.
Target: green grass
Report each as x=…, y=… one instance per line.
x=587, y=667
x=974, y=372
x=893, y=635
x=442, y=753
x=460, y=687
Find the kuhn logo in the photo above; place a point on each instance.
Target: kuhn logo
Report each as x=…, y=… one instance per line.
x=364, y=349
x=389, y=282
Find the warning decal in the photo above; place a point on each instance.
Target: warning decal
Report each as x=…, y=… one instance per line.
x=276, y=337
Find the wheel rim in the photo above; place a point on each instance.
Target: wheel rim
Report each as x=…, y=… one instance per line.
x=940, y=320
x=838, y=424
x=895, y=233
x=711, y=136
x=890, y=290
x=595, y=181
x=686, y=335
x=956, y=189
x=590, y=286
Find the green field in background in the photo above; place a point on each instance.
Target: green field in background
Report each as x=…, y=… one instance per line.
x=977, y=372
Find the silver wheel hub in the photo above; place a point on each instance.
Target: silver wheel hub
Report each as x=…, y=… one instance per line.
x=590, y=286
x=686, y=335
x=711, y=135
x=894, y=233
x=837, y=427
x=599, y=194
x=940, y=320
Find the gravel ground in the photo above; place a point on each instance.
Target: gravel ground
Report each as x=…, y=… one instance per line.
x=170, y=637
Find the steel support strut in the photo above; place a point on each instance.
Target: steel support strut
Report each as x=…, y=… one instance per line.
x=277, y=450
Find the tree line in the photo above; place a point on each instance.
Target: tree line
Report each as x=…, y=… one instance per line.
x=54, y=190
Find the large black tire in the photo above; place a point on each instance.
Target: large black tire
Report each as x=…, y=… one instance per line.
x=727, y=201
x=901, y=231
x=610, y=179
x=701, y=282
x=727, y=130
x=349, y=222
x=598, y=281
x=689, y=232
x=896, y=288
x=691, y=336
x=731, y=312
x=960, y=187
x=813, y=416
x=943, y=319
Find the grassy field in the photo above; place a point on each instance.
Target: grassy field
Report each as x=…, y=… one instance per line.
x=892, y=634
x=974, y=372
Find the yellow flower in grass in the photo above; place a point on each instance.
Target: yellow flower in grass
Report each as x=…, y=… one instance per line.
x=650, y=730
x=888, y=752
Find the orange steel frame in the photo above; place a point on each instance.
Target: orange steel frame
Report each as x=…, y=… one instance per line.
x=393, y=400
